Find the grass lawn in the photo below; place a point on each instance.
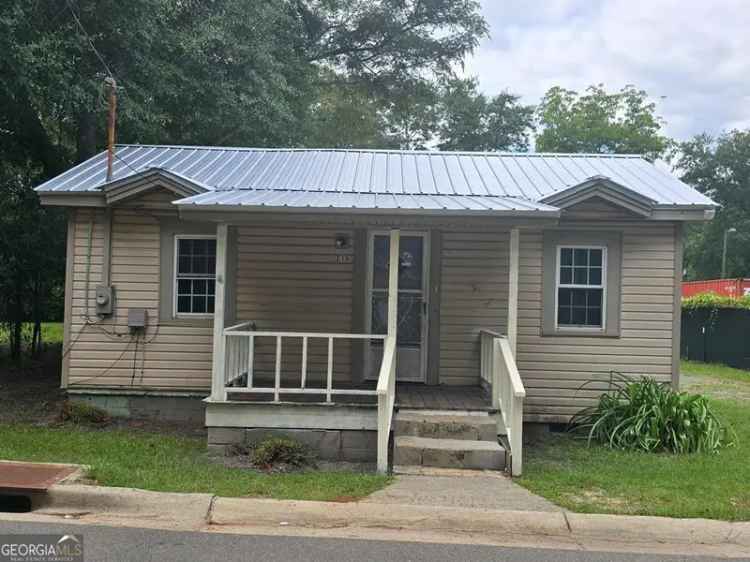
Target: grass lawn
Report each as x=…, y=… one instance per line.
x=172, y=464
x=52, y=333
x=599, y=480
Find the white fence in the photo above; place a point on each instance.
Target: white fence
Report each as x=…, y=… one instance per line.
x=498, y=370
x=239, y=359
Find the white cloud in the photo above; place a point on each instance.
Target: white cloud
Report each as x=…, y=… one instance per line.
x=691, y=56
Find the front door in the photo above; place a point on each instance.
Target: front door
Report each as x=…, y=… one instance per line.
x=411, y=349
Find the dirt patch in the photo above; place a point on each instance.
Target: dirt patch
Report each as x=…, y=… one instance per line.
x=30, y=393
x=602, y=499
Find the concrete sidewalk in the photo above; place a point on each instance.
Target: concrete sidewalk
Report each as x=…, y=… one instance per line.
x=440, y=487
x=392, y=521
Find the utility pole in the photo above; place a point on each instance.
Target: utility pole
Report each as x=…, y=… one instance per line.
x=727, y=232
x=111, y=85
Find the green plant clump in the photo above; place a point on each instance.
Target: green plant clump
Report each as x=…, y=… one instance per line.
x=643, y=414
x=281, y=450
x=713, y=301
x=82, y=413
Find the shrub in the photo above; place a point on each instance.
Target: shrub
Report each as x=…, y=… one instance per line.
x=281, y=450
x=642, y=414
x=712, y=301
x=82, y=413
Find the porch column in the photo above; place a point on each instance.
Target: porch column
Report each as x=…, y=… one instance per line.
x=513, y=289
x=218, y=390
x=393, y=261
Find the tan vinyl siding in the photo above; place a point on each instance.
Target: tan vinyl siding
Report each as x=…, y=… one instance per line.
x=104, y=353
x=554, y=368
x=288, y=280
x=474, y=296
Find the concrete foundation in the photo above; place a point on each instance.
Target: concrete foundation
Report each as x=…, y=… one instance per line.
x=329, y=444
x=171, y=408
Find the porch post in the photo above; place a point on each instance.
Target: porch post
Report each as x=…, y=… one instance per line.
x=513, y=289
x=393, y=262
x=218, y=390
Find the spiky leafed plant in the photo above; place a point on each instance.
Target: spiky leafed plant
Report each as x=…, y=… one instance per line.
x=643, y=414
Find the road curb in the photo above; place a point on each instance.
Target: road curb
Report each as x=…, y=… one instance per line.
x=168, y=509
x=199, y=510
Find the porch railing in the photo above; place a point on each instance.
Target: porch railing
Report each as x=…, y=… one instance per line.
x=499, y=372
x=239, y=359
x=386, y=400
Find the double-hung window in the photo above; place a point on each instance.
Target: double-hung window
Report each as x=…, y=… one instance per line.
x=195, y=275
x=581, y=286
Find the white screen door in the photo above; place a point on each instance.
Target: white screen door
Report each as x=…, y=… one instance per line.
x=411, y=348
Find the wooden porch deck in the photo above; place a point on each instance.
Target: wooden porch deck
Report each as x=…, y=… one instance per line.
x=409, y=396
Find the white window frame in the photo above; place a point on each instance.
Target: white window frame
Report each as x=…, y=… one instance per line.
x=177, y=239
x=559, y=285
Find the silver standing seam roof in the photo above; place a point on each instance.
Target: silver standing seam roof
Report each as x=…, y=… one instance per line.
x=379, y=179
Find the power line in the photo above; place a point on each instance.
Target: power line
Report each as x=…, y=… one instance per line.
x=88, y=38
x=125, y=162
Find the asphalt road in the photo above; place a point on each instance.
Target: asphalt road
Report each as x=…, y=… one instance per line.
x=103, y=544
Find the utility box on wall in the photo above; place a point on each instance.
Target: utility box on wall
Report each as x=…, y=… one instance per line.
x=137, y=319
x=105, y=300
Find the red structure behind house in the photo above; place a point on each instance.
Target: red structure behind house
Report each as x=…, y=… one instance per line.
x=726, y=287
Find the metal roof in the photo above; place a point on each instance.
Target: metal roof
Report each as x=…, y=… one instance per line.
x=368, y=201
x=343, y=175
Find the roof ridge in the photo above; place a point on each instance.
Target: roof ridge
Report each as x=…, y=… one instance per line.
x=502, y=153
x=353, y=192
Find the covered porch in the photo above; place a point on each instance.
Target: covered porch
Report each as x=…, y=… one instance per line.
x=297, y=380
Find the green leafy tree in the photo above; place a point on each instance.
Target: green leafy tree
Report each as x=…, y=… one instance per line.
x=410, y=113
x=472, y=121
x=720, y=168
x=193, y=72
x=597, y=121
x=344, y=116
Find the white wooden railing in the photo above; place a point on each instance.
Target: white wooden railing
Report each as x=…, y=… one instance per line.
x=499, y=372
x=239, y=367
x=239, y=359
x=386, y=400
x=233, y=365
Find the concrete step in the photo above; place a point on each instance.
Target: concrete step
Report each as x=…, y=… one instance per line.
x=448, y=453
x=467, y=427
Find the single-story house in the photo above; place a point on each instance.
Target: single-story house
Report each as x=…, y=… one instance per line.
x=316, y=292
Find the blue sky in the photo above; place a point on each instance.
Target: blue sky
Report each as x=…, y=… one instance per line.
x=692, y=57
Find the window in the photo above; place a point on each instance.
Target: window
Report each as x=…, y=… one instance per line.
x=195, y=275
x=581, y=286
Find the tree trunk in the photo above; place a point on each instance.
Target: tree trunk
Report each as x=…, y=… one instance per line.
x=16, y=327
x=86, y=135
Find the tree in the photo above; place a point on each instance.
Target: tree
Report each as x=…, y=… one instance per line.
x=282, y=73
x=344, y=116
x=472, y=121
x=410, y=113
x=32, y=257
x=600, y=122
x=389, y=40
x=720, y=168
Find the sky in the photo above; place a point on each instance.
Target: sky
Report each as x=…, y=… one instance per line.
x=692, y=57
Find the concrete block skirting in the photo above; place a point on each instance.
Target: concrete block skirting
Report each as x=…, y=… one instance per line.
x=172, y=408
x=353, y=445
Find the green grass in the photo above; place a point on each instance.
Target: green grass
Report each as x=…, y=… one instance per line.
x=715, y=370
x=172, y=464
x=599, y=480
x=52, y=333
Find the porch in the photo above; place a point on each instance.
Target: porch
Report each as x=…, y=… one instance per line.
x=287, y=380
